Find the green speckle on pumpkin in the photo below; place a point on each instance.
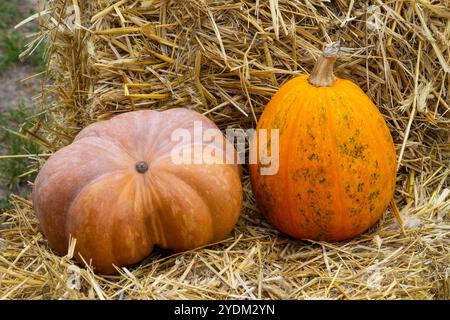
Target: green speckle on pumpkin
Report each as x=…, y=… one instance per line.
x=360, y=186
x=374, y=195
x=355, y=211
x=306, y=173
x=296, y=175
x=374, y=177
x=347, y=188
x=310, y=133
x=313, y=156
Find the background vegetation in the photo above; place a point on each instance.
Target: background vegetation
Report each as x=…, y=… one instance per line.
x=15, y=116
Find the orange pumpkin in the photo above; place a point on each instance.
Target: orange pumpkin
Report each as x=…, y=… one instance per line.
x=116, y=190
x=337, y=162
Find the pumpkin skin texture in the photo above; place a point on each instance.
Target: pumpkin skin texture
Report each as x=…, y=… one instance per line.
x=337, y=162
x=117, y=191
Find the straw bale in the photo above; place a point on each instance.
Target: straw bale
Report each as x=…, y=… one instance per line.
x=225, y=59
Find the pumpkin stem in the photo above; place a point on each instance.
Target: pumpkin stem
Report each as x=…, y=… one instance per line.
x=141, y=167
x=322, y=74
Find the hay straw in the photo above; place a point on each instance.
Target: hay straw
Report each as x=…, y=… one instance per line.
x=225, y=59
x=254, y=262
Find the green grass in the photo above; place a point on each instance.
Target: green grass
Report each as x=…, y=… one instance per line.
x=4, y=205
x=9, y=14
x=12, y=43
x=15, y=172
x=38, y=58
x=12, y=170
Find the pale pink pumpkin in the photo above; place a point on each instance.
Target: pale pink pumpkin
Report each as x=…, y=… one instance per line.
x=118, y=192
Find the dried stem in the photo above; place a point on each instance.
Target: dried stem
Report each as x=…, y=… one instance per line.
x=322, y=74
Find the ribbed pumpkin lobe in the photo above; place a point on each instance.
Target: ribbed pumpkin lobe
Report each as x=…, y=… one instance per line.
x=98, y=190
